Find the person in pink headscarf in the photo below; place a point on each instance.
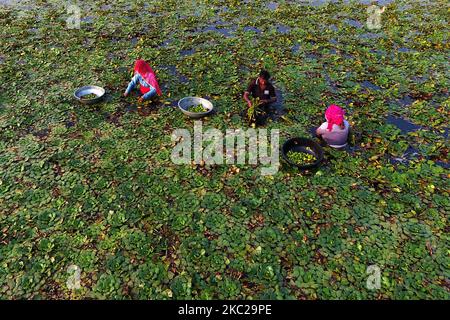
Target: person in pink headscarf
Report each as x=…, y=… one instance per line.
x=146, y=78
x=336, y=129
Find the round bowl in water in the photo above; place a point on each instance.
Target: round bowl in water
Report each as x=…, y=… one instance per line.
x=303, y=145
x=187, y=102
x=83, y=91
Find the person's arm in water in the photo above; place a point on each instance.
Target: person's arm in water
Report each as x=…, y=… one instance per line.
x=247, y=99
x=247, y=93
x=134, y=81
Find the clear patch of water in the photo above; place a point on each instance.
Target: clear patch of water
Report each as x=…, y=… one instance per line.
x=87, y=19
x=369, y=36
x=227, y=32
x=187, y=52
x=369, y=85
x=70, y=124
x=404, y=50
x=406, y=100
x=283, y=29
x=333, y=27
x=173, y=71
x=405, y=126
x=273, y=6
x=354, y=23
x=251, y=29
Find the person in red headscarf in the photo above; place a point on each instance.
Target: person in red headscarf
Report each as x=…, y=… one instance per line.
x=336, y=129
x=145, y=77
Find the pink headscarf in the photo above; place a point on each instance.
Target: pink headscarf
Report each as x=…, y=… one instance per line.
x=334, y=115
x=144, y=69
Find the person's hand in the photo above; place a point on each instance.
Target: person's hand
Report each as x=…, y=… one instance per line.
x=141, y=99
x=125, y=94
x=249, y=104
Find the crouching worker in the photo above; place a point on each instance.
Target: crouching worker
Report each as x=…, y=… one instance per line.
x=335, y=131
x=261, y=91
x=145, y=77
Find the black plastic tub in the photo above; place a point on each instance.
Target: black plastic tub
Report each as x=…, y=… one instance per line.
x=301, y=145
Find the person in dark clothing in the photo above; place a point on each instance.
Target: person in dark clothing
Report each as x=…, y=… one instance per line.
x=264, y=90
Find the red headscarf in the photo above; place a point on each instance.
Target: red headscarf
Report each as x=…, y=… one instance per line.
x=144, y=69
x=334, y=115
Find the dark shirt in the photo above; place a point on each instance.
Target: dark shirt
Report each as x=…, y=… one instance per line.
x=256, y=92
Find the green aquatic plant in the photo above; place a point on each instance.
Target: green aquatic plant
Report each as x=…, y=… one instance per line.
x=301, y=158
x=89, y=96
x=253, y=111
x=197, y=109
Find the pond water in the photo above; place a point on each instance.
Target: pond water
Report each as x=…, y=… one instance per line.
x=369, y=85
x=283, y=29
x=272, y=6
x=227, y=32
x=296, y=48
x=405, y=126
x=406, y=100
x=187, y=52
x=403, y=49
x=354, y=23
x=251, y=29
x=70, y=124
x=369, y=35
x=173, y=71
x=278, y=107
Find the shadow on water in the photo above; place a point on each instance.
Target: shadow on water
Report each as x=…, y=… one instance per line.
x=277, y=110
x=143, y=109
x=42, y=134
x=70, y=124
